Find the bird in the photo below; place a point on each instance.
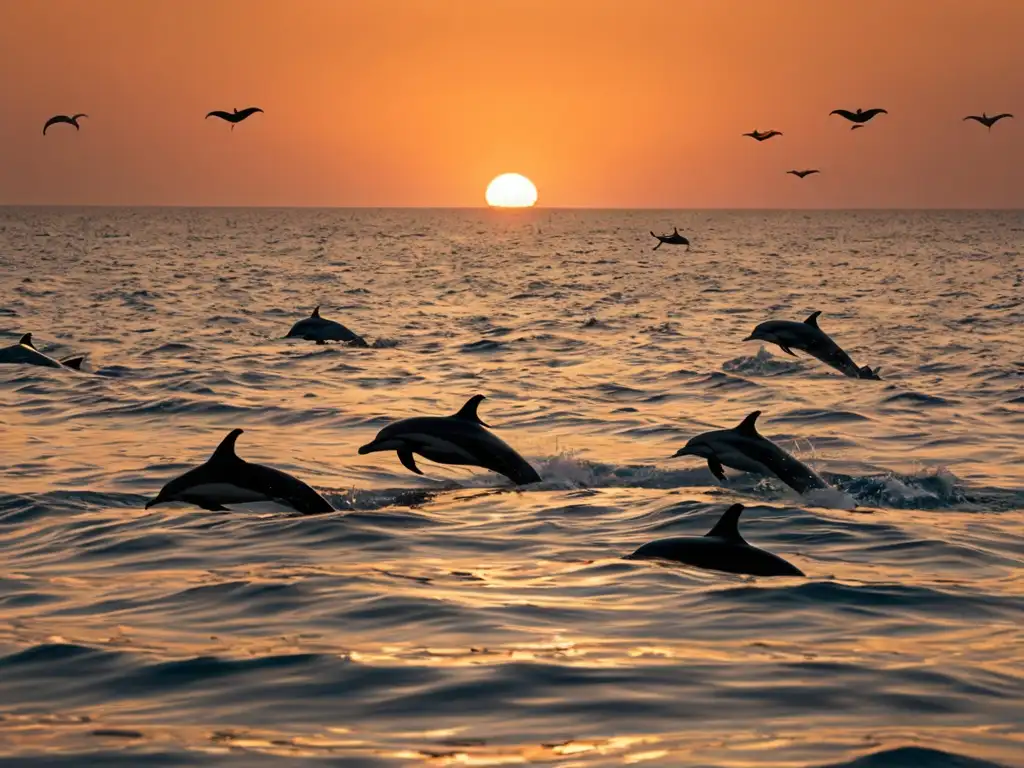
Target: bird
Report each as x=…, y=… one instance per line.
x=803, y=174
x=757, y=135
x=987, y=121
x=73, y=120
x=234, y=116
x=860, y=116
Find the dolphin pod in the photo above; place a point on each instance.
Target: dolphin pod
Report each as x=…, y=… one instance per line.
x=742, y=447
x=25, y=353
x=720, y=549
x=322, y=330
x=460, y=439
x=227, y=479
x=809, y=338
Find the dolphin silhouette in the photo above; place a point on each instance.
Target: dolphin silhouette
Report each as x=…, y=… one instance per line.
x=321, y=330
x=809, y=338
x=460, y=439
x=24, y=352
x=743, y=448
x=227, y=479
x=720, y=549
x=674, y=239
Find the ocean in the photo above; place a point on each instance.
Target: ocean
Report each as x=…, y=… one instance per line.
x=450, y=619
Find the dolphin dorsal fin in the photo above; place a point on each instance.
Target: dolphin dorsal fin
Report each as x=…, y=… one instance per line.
x=316, y=312
x=727, y=526
x=748, y=427
x=226, y=450
x=468, y=411
x=812, y=319
x=26, y=340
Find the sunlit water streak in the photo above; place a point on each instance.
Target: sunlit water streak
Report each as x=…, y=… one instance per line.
x=447, y=619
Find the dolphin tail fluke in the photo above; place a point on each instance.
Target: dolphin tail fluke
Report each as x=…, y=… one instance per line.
x=74, y=363
x=26, y=341
x=468, y=411
x=727, y=526
x=405, y=456
x=867, y=373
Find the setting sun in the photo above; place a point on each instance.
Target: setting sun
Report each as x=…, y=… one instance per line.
x=511, y=190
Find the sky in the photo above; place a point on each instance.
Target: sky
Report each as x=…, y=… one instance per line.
x=602, y=103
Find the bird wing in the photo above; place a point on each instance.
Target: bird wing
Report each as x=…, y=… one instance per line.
x=813, y=170
x=843, y=113
x=54, y=120
x=773, y=133
x=219, y=113
x=80, y=114
x=867, y=114
x=1000, y=117
x=244, y=113
x=973, y=117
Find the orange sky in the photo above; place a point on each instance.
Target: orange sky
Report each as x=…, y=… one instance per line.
x=603, y=103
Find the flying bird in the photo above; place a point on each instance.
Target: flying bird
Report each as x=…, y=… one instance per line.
x=757, y=135
x=987, y=121
x=235, y=116
x=804, y=174
x=73, y=120
x=860, y=116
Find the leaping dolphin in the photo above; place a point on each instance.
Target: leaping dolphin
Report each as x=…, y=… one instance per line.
x=809, y=338
x=227, y=479
x=674, y=239
x=720, y=549
x=743, y=448
x=459, y=439
x=24, y=352
x=321, y=330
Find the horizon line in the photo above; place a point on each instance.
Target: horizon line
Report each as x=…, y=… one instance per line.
x=511, y=211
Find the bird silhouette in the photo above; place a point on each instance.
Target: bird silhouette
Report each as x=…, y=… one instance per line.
x=762, y=136
x=855, y=127
x=235, y=116
x=987, y=121
x=804, y=174
x=860, y=116
x=674, y=239
x=73, y=120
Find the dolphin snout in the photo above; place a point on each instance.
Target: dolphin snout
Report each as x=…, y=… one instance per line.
x=153, y=502
x=682, y=452
x=751, y=337
x=368, y=448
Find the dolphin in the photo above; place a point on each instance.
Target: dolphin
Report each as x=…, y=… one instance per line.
x=227, y=479
x=809, y=338
x=674, y=239
x=458, y=439
x=720, y=549
x=320, y=330
x=25, y=352
x=743, y=448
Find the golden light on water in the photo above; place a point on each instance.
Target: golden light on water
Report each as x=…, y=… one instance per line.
x=511, y=190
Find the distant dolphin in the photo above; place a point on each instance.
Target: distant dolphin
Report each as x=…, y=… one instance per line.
x=24, y=352
x=320, y=330
x=72, y=120
x=227, y=479
x=460, y=439
x=674, y=239
x=743, y=448
x=809, y=338
x=720, y=549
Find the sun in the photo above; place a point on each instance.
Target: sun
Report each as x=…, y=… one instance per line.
x=511, y=190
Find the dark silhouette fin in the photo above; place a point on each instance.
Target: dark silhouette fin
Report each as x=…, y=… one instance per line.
x=716, y=469
x=727, y=526
x=26, y=340
x=468, y=411
x=74, y=362
x=226, y=450
x=812, y=319
x=316, y=312
x=867, y=373
x=787, y=350
x=748, y=427
x=405, y=456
